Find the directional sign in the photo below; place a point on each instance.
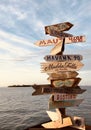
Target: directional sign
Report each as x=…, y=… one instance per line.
x=49, y=42
x=56, y=124
x=55, y=41
x=52, y=67
x=64, y=103
x=54, y=116
x=50, y=90
x=63, y=57
x=58, y=27
x=59, y=34
x=62, y=75
x=67, y=90
x=66, y=82
x=63, y=96
x=38, y=88
x=75, y=39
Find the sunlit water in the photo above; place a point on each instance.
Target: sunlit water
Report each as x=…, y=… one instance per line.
x=20, y=110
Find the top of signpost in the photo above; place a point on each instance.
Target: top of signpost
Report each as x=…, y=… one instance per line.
x=58, y=27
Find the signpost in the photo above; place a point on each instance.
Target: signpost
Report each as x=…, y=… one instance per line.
x=52, y=67
x=62, y=75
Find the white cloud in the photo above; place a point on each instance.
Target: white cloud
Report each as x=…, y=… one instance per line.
x=14, y=38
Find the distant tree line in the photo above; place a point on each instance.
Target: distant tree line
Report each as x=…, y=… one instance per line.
x=20, y=85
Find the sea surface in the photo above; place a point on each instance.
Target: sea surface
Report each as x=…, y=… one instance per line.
x=20, y=110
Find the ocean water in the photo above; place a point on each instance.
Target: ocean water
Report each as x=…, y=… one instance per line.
x=20, y=110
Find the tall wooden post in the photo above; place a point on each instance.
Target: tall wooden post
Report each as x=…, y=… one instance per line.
x=62, y=110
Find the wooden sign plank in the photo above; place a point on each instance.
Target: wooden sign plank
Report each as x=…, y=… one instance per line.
x=63, y=57
x=58, y=27
x=55, y=41
x=62, y=75
x=64, y=103
x=78, y=122
x=56, y=124
x=59, y=34
x=63, y=96
x=38, y=88
x=54, y=116
x=68, y=90
x=73, y=82
x=75, y=39
x=49, y=42
x=52, y=67
x=51, y=90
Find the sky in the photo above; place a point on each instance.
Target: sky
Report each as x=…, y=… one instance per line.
x=22, y=24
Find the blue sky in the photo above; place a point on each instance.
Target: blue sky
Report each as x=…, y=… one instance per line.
x=22, y=24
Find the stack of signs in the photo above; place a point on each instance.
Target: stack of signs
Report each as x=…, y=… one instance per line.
x=61, y=70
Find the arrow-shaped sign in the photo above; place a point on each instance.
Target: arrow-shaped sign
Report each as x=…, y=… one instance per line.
x=64, y=103
x=59, y=34
x=54, y=116
x=52, y=67
x=58, y=27
x=66, y=82
x=56, y=124
x=49, y=42
x=63, y=96
x=63, y=57
x=55, y=41
x=62, y=75
x=77, y=122
x=40, y=90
